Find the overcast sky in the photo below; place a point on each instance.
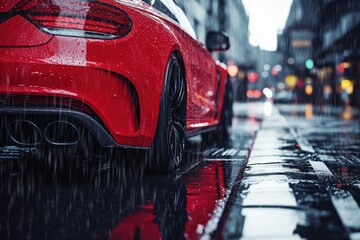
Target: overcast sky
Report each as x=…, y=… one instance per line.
x=267, y=18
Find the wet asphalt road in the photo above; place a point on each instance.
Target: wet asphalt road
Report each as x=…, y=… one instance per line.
x=289, y=171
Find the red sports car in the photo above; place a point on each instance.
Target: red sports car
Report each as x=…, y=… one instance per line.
x=129, y=73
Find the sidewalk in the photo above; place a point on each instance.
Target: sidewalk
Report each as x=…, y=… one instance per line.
x=281, y=194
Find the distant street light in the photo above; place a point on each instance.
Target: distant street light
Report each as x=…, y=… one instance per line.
x=233, y=70
x=267, y=92
x=291, y=61
x=265, y=74
x=347, y=85
x=309, y=89
x=267, y=67
x=290, y=81
x=309, y=64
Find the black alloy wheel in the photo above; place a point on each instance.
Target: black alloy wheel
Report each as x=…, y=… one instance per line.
x=169, y=143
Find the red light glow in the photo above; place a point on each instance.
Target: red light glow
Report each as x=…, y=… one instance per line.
x=232, y=70
x=255, y=94
x=274, y=71
x=300, y=83
x=253, y=76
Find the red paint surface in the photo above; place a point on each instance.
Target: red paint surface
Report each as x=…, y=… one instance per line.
x=203, y=189
x=98, y=72
x=139, y=225
x=7, y=5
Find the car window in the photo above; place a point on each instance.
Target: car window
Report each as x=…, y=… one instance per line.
x=183, y=20
x=163, y=7
x=172, y=9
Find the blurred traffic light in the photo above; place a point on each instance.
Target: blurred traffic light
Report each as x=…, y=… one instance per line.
x=347, y=86
x=309, y=64
x=253, y=76
x=290, y=81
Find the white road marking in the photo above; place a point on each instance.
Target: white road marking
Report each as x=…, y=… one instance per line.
x=223, y=159
x=321, y=169
x=235, y=151
x=347, y=209
x=344, y=203
x=355, y=236
x=217, y=152
x=226, y=152
x=303, y=143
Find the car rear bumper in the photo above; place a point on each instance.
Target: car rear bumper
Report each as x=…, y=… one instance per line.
x=111, y=97
x=40, y=118
x=120, y=80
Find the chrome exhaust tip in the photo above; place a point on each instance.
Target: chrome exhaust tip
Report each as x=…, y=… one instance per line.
x=24, y=132
x=62, y=133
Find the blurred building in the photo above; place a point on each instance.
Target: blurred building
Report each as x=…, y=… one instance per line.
x=338, y=36
x=228, y=16
x=298, y=38
x=236, y=24
x=268, y=64
x=297, y=44
x=321, y=47
x=339, y=48
x=201, y=15
x=221, y=15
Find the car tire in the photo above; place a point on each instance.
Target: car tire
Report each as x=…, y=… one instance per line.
x=222, y=133
x=168, y=146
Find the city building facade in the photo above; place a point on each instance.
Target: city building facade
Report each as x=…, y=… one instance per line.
x=321, y=43
x=221, y=15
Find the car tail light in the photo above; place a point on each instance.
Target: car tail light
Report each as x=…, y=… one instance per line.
x=77, y=18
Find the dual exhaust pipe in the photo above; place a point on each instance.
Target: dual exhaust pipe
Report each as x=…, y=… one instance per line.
x=58, y=133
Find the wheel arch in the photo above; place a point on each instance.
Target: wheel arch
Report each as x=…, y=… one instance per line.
x=163, y=157
x=175, y=52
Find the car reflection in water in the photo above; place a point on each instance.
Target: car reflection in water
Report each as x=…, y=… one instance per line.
x=180, y=210
x=79, y=199
x=159, y=211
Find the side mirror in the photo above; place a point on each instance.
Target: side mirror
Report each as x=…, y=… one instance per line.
x=217, y=41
